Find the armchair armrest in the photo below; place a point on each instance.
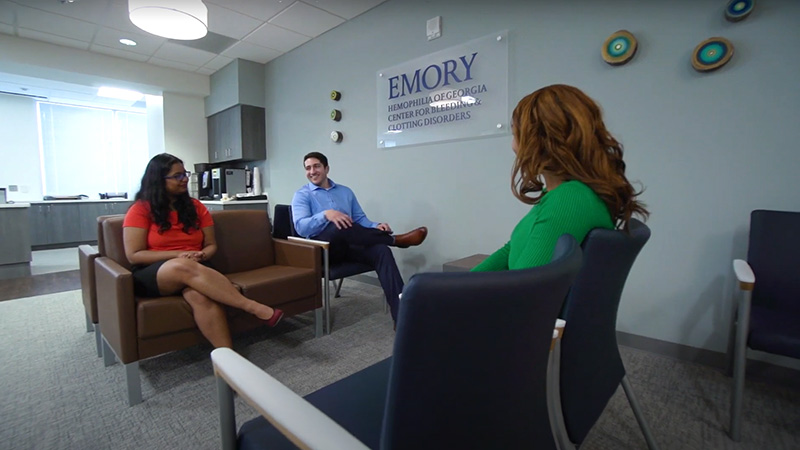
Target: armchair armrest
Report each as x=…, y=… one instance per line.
x=744, y=274
x=323, y=244
x=302, y=423
x=297, y=255
x=86, y=256
x=116, y=307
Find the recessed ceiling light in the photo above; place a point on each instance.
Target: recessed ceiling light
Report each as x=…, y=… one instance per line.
x=121, y=94
x=125, y=41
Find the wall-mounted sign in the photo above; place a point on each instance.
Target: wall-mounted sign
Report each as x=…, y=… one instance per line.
x=457, y=93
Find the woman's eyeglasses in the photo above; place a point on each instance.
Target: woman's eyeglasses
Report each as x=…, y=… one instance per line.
x=179, y=176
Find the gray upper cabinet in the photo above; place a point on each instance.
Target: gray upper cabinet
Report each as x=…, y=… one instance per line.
x=237, y=133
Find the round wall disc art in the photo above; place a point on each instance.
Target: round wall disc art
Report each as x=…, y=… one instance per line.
x=336, y=95
x=712, y=54
x=336, y=115
x=738, y=9
x=619, y=48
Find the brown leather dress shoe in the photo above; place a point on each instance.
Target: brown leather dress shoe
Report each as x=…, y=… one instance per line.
x=413, y=237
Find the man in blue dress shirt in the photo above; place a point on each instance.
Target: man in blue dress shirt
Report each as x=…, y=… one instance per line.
x=330, y=212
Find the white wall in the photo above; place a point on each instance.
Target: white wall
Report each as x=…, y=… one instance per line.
x=709, y=148
x=19, y=148
x=179, y=128
x=185, y=132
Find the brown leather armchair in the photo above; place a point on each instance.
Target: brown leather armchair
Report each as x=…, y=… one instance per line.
x=86, y=256
x=275, y=272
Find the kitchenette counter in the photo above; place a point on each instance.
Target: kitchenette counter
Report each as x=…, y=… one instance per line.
x=15, y=245
x=225, y=205
x=232, y=202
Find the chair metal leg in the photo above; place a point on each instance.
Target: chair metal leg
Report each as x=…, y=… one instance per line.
x=318, y=322
x=133, y=382
x=108, y=354
x=637, y=411
x=740, y=362
x=554, y=410
x=89, y=324
x=227, y=414
x=327, y=290
x=729, y=354
x=338, y=288
x=98, y=339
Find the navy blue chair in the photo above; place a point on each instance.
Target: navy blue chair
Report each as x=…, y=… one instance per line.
x=468, y=371
x=590, y=365
x=284, y=226
x=767, y=317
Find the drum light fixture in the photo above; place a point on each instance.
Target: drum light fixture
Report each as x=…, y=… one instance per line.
x=172, y=19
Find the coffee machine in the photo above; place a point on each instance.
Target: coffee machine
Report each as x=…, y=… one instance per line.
x=202, y=172
x=227, y=181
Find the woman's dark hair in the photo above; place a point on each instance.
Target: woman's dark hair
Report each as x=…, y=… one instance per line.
x=153, y=191
x=560, y=130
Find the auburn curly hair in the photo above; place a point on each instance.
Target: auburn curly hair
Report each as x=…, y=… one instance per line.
x=560, y=130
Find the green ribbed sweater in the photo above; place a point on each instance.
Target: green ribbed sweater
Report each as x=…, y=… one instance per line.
x=572, y=207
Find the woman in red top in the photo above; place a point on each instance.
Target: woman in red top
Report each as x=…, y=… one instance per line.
x=168, y=238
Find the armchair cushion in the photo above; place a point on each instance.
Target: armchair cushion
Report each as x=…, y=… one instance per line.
x=273, y=285
x=774, y=331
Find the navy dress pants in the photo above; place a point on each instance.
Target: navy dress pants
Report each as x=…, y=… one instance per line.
x=368, y=246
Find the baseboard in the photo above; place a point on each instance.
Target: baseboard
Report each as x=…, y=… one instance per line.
x=756, y=370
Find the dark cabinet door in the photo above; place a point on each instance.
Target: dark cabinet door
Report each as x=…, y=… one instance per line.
x=63, y=224
x=237, y=133
x=38, y=219
x=89, y=212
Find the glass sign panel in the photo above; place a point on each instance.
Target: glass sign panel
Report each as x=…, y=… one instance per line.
x=457, y=93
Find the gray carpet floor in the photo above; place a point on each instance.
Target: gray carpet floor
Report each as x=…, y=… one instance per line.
x=56, y=394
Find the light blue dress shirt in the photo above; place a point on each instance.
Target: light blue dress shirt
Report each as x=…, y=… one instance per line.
x=311, y=201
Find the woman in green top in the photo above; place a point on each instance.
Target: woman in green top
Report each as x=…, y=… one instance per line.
x=573, y=166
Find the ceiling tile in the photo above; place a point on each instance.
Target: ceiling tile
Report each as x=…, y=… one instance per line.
x=252, y=52
x=53, y=39
x=205, y=71
x=183, y=54
x=7, y=12
x=7, y=29
x=218, y=63
x=230, y=23
x=345, y=8
x=117, y=18
x=278, y=38
x=172, y=64
x=86, y=10
x=119, y=53
x=261, y=9
x=306, y=19
x=33, y=19
x=145, y=44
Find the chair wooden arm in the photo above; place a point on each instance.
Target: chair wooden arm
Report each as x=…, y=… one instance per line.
x=303, y=424
x=744, y=274
x=116, y=308
x=296, y=254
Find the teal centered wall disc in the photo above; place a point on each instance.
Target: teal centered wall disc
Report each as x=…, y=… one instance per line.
x=739, y=9
x=712, y=54
x=619, y=48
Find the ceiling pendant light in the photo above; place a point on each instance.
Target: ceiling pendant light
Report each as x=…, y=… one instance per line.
x=172, y=19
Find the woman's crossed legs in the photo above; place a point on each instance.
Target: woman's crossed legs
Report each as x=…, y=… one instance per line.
x=206, y=290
